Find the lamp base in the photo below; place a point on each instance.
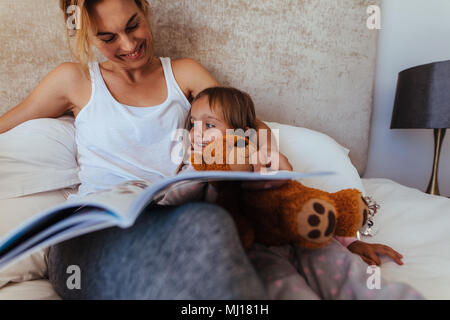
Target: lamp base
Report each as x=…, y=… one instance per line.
x=433, y=187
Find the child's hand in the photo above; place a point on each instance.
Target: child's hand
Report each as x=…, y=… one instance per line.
x=283, y=164
x=370, y=252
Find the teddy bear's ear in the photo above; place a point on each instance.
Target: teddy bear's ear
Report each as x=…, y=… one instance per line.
x=239, y=154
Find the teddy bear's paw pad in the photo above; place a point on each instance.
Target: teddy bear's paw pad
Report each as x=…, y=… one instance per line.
x=317, y=221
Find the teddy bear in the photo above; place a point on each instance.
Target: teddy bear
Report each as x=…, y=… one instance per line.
x=289, y=214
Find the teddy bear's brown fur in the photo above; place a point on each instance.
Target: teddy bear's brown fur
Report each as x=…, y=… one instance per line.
x=290, y=214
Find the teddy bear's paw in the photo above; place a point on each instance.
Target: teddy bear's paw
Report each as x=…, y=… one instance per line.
x=316, y=221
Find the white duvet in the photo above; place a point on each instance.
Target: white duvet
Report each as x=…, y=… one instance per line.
x=412, y=222
x=418, y=226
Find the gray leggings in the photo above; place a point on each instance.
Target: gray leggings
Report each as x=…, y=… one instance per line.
x=184, y=252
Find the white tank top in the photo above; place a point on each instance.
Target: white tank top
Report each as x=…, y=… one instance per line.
x=116, y=142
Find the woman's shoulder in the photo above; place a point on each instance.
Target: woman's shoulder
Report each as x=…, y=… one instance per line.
x=189, y=67
x=75, y=81
x=192, y=76
x=69, y=72
x=186, y=63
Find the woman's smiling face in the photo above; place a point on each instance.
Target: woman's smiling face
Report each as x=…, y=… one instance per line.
x=123, y=34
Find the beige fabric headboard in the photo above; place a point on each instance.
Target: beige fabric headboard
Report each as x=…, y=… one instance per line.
x=308, y=63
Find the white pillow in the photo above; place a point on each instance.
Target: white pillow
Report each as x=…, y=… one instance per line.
x=309, y=150
x=16, y=211
x=38, y=155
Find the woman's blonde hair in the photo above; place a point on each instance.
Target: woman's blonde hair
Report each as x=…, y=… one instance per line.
x=80, y=47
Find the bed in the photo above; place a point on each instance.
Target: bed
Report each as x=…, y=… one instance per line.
x=403, y=223
x=295, y=65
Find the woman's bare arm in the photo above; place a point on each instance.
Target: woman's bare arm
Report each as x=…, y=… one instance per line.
x=192, y=77
x=50, y=99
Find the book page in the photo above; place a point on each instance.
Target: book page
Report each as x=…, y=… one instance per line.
x=117, y=200
x=155, y=192
x=41, y=241
x=118, y=206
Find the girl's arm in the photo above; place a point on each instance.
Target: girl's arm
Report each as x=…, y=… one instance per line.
x=50, y=99
x=345, y=241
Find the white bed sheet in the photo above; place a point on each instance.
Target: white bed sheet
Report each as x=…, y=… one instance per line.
x=412, y=222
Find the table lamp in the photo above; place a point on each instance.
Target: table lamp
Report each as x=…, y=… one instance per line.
x=422, y=101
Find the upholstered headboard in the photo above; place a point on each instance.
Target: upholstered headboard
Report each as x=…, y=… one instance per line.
x=308, y=63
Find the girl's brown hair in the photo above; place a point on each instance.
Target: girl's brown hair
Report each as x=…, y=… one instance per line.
x=237, y=107
x=81, y=49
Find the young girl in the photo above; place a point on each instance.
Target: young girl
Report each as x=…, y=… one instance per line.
x=289, y=272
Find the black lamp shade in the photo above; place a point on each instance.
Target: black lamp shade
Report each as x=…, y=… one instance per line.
x=422, y=99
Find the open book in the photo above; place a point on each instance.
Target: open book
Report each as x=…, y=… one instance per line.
x=119, y=206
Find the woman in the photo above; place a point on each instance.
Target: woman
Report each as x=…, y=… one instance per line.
x=126, y=109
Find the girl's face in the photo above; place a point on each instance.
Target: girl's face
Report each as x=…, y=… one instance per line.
x=123, y=33
x=207, y=124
